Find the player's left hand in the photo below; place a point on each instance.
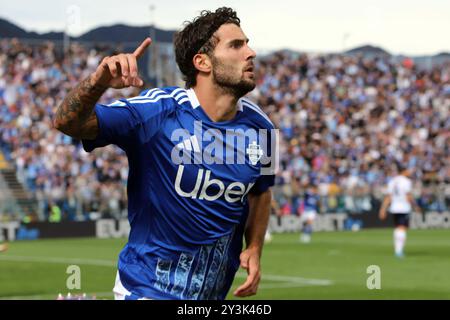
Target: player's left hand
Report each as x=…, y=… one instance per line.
x=249, y=261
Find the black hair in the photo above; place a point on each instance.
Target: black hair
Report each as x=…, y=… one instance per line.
x=198, y=37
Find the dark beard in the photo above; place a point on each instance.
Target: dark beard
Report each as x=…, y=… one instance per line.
x=236, y=87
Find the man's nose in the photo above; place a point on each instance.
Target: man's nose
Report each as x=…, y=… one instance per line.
x=251, y=53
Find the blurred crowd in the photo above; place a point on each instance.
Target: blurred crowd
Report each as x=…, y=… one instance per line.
x=65, y=180
x=344, y=122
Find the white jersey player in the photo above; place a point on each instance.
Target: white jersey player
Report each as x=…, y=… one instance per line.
x=399, y=202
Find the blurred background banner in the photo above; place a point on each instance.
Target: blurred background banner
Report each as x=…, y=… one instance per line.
x=110, y=228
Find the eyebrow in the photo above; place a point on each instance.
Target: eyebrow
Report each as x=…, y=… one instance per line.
x=239, y=41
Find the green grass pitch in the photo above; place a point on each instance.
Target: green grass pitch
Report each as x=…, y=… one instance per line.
x=333, y=266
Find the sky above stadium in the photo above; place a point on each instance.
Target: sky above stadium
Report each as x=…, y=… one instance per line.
x=413, y=27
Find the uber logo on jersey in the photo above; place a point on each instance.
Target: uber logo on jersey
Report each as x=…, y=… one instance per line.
x=234, y=192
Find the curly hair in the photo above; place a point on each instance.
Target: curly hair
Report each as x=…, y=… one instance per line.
x=198, y=37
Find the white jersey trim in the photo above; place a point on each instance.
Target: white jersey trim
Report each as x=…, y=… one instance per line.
x=152, y=96
x=195, y=103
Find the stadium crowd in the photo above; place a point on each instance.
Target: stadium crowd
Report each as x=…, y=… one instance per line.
x=344, y=121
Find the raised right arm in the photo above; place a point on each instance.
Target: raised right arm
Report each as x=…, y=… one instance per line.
x=75, y=116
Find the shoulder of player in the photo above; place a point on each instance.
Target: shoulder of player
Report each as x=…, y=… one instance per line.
x=172, y=94
x=254, y=111
x=175, y=95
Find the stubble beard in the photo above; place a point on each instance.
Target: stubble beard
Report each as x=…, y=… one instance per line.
x=230, y=84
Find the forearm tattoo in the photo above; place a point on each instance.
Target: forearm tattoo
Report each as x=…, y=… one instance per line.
x=75, y=112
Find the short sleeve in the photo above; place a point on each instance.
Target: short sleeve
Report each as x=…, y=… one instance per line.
x=263, y=183
x=128, y=123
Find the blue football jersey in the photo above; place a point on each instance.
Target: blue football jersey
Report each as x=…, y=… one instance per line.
x=189, y=178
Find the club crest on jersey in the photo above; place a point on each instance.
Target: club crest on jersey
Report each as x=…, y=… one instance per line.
x=254, y=152
x=231, y=146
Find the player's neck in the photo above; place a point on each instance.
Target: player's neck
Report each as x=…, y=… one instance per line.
x=217, y=104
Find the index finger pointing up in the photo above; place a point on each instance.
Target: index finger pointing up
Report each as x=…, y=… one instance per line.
x=141, y=49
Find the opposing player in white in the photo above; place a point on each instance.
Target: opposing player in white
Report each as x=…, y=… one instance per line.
x=399, y=202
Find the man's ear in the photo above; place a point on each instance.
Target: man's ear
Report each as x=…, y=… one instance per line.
x=202, y=62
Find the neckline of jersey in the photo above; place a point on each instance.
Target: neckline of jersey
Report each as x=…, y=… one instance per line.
x=199, y=112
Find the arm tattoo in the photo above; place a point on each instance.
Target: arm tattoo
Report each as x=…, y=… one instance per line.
x=75, y=116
